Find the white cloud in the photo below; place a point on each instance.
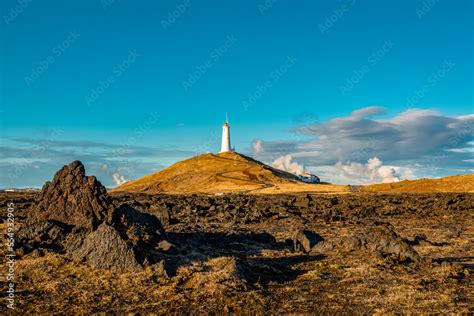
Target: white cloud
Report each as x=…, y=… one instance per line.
x=416, y=137
x=373, y=171
x=285, y=163
x=366, y=112
x=257, y=146
x=118, y=178
x=462, y=150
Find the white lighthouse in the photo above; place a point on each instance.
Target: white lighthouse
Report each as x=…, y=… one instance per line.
x=225, y=145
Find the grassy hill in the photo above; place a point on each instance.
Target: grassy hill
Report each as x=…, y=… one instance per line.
x=458, y=183
x=228, y=172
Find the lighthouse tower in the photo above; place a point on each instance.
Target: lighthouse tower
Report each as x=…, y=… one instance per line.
x=225, y=145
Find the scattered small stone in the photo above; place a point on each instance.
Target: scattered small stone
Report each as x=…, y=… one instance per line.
x=165, y=246
x=305, y=240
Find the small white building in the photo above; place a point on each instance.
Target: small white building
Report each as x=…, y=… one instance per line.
x=309, y=178
x=225, y=145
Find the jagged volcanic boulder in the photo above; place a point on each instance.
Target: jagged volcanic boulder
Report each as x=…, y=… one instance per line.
x=75, y=217
x=142, y=231
x=42, y=234
x=140, y=228
x=105, y=248
x=73, y=198
x=125, y=241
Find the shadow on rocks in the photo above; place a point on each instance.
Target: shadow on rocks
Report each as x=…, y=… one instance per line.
x=246, y=249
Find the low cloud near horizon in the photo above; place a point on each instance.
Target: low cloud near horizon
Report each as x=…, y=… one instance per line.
x=359, y=149
x=29, y=162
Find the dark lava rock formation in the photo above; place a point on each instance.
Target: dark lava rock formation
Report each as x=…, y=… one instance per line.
x=381, y=239
x=76, y=218
x=74, y=198
x=46, y=235
x=104, y=248
x=377, y=238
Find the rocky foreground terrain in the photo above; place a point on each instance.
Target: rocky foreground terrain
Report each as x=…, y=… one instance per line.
x=80, y=249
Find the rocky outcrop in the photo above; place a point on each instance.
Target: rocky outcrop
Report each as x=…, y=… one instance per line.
x=73, y=198
x=42, y=234
x=105, y=248
x=140, y=228
x=142, y=231
x=75, y=217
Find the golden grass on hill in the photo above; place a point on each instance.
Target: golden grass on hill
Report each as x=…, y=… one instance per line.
x=458, y=183
x=228, y=172
x=232, y=172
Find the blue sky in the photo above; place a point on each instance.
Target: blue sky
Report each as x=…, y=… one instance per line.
x=130, y=87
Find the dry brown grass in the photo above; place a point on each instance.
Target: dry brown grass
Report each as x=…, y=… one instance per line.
x=458, y=183
x=54, y=284
x=228, y=172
